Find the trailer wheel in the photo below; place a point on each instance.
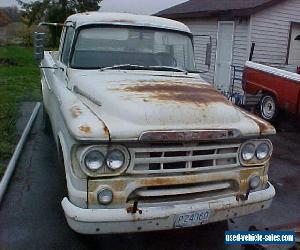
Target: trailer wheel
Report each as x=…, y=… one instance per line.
x=268, y=107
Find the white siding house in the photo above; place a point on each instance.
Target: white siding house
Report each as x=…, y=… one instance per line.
x=233, y=26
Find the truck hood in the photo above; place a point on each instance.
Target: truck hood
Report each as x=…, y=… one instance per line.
x=130, y=103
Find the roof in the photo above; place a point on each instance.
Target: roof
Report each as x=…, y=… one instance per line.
x=126, y=19
x=204, y=8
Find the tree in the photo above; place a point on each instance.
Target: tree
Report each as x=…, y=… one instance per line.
x=4, y=19
x=54, y=11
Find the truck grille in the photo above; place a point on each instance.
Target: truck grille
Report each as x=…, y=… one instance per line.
x=176, y=159
x=192, y=191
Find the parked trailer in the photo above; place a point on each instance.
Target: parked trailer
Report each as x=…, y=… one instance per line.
x=280, y=89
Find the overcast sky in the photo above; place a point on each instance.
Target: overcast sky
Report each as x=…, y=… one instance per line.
x=131, y=6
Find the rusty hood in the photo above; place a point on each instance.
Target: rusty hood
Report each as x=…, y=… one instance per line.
x=130, y=103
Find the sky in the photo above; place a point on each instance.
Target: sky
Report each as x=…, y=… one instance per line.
x=130, y=6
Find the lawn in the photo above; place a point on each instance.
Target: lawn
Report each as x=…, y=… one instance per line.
x=19, y=81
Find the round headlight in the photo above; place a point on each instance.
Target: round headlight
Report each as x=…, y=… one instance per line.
x=94, y=160
x=105, y=196
x=115, y=159
x=254, y=182
x=248, y=152
x=262, y=151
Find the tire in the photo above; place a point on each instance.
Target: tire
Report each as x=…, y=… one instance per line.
x=46, y=122
x=268, y=107
x=61, y=166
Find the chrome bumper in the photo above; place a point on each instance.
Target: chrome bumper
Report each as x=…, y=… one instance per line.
x=106, y=221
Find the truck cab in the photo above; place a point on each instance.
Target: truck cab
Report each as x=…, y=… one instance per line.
x=146, y=143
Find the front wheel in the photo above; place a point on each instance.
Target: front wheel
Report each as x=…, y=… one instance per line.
x=268, y=107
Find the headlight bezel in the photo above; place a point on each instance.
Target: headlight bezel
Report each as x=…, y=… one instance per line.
x=255, y=160
x=104, y=150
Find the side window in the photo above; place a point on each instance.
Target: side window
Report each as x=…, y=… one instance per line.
x=67, y=45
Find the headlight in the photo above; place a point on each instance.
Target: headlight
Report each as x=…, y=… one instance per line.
x=115, y=159
x=103, y=160
x=254, y=182
x=248, y=152
x=94, y=160
x=262, y=151
x=105, y=196
x=255, y=152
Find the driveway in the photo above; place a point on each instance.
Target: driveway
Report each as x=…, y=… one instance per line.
x=31, y=216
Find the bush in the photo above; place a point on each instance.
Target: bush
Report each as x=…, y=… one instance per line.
x=26, y=36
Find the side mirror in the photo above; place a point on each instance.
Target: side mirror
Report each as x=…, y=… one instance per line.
x=208, y=54
x=39, y=39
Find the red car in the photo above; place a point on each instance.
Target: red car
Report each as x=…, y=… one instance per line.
x=280, y=89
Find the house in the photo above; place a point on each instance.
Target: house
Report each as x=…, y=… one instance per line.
x=269, y=27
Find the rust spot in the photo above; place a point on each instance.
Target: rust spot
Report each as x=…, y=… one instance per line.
x=178, y=92
x=85, y=129
x=194, y=135
x=92, y=199
x=75, y=111
x=264, y=126
x=170, y=180
x=134, y=208
x=106, y=131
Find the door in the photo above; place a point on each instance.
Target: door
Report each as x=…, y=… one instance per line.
x=294, y=53
x=224, y=56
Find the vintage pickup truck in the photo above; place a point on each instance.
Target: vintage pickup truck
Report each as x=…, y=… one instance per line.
x=146, y=143
x=280, y=89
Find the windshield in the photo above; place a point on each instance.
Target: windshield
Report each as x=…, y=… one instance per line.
x=102, y=47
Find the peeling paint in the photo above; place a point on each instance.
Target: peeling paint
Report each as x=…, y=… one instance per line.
x=176, y=91
x=106, y=130
x=85, y=129
x=265, y=127
x=75, y=111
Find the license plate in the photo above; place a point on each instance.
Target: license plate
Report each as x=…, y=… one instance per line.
x=192, y=219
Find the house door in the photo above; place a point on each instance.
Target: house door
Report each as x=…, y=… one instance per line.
x=225, y=35
x=294, y=53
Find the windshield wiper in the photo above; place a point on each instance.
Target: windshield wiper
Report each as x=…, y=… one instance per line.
x=140, y=67
x=124, y=66
x=168, y=68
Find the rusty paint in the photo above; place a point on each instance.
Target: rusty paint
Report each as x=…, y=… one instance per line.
x=75, y=111
x=176, y=91
x=245, y=174
x=194, y=135
x=92, y=199
x=265, y=127
x=134, y=208
x=106, y=131
x=85, y=129
x=124, y=186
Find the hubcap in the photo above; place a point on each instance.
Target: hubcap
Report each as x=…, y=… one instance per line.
x=268, y=107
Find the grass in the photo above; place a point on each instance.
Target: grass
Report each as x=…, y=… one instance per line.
x=18, y=83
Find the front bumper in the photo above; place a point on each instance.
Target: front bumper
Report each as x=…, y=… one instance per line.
x=106, y=221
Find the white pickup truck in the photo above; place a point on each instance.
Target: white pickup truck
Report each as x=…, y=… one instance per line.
x=146, y=143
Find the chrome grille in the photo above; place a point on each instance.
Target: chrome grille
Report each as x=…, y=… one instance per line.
x=176, y=159
x=192, y=191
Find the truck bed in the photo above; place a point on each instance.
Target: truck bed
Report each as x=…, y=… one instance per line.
x=284, y=73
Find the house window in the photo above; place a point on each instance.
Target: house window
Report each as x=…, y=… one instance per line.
x=294, y=53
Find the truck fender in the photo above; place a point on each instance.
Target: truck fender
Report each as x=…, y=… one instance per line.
x=63, y=154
